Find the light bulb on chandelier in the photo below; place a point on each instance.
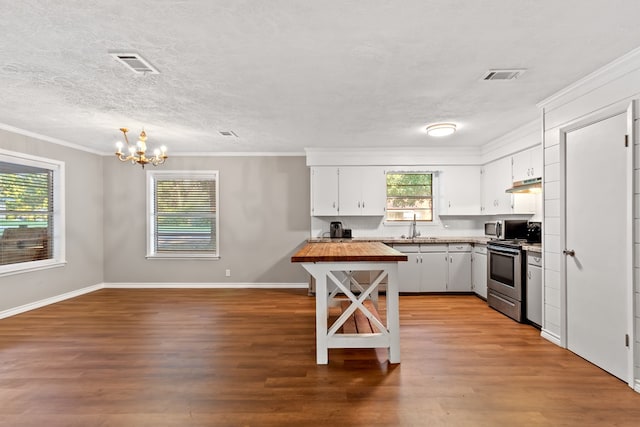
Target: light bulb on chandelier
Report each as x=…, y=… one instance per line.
x=137, y=152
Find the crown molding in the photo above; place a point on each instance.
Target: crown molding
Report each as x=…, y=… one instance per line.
x=241, y=154
x=524, y=137
x=612, y=71
x=46, y=138
x=400, y=156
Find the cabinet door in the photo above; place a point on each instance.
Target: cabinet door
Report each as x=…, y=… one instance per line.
x=460, y=188
x=350, y=191
x=374, y=191
x=536, y=162
x=434, y=272
x=527, y=164
x=409, y=273
x=479, y=274
x=459, y=271
x=534, y=293
x=324, y=191
x=521, y=163
x=496, y=179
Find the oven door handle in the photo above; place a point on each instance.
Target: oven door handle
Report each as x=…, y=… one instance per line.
x=511, y=252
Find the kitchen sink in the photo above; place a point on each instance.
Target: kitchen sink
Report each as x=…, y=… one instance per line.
x=415, y=239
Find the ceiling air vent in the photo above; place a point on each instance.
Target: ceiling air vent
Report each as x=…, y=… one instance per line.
x=228, y=133
x=135, y=62
x=503, y=74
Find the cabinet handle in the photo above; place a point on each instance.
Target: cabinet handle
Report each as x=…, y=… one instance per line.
x=334, y=204
x=358, y=204
x=451, y=260
x=421, y=260
x=363, y=205
x=417, y=260
x=529, y=274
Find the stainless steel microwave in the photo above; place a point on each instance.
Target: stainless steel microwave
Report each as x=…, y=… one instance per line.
x=506, y=229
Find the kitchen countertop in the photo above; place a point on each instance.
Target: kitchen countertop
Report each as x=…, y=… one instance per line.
x=400, y=241
x=533, y=247
x=477, y=240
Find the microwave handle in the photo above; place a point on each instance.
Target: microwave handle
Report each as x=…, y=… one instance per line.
x=499, y=230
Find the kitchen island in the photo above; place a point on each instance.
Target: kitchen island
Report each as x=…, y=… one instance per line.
x=332, y=265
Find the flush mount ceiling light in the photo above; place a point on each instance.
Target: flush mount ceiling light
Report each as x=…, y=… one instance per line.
x=441, y=129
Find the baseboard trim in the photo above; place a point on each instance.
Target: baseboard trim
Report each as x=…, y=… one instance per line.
x=78, y=292
x=236, y=285
x=550, y=336
x=48, y=301
x=636, y=386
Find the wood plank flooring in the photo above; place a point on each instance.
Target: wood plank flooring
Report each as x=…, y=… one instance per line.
x=246, y=357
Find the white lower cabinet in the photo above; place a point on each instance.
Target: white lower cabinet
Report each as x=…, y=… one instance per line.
x=479, y=270
x=409, y=273
x=534, y=288
x=435, y=268
x=459, y=278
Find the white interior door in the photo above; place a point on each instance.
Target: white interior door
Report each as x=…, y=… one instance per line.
x=597, y=195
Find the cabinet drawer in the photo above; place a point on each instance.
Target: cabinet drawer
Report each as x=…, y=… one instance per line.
x=480, y=249
x=534, y=259
x=459, y=247
x=407, y=249
x=426, y=248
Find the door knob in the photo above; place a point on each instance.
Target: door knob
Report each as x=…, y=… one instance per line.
x=569, y=252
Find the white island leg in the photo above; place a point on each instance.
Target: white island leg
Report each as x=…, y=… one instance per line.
x=393, y=313
x=328, y=338
x=322, y=349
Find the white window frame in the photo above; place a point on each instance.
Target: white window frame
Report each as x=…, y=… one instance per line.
x=151, y=178
x=435, y=198
x=58, y=257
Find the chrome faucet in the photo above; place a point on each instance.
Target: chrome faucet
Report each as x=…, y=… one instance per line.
x=414, y=228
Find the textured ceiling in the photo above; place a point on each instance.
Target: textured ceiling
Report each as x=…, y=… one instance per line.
x=285, y=75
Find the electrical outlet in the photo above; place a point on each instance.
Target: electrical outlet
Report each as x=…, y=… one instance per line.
x=227, y=273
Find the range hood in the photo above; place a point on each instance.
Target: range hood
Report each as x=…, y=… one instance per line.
x=533, y=185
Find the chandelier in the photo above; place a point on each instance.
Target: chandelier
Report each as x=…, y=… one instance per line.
x=137, y=152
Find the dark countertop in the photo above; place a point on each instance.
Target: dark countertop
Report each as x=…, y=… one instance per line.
x=400, y=241
x=474, y=240
x=533, y=247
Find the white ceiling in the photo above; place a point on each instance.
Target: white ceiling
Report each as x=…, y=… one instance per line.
x=289, y=74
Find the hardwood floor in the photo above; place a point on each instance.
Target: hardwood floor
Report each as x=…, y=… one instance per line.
x=218, y=357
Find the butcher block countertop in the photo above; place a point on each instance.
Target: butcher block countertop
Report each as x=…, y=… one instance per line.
x=347, y=251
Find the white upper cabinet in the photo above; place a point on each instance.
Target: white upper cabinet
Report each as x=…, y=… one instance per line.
x=348, y=191
x=324, y=191
x=527, y=164
x=362, y=191
x=460, y=190
x=496, y=178
x=537, y=162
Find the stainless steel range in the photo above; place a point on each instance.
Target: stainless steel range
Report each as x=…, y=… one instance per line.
x=505, y=277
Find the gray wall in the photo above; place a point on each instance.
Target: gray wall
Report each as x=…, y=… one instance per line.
x=264, y=217
x=84, y=225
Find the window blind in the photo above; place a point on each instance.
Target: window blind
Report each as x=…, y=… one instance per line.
x=184, y=215
x=26, y=213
